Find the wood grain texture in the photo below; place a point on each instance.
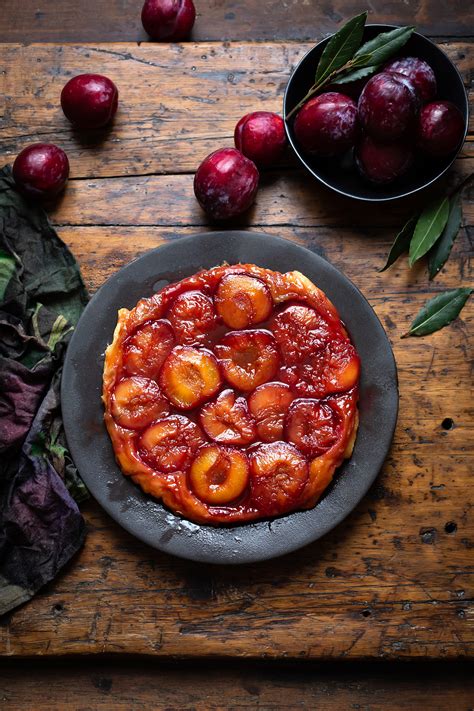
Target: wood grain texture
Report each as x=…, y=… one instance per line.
x=141, y=687
x=163, y=125
x=119, y=20
x=391, y=581
x=395, y=579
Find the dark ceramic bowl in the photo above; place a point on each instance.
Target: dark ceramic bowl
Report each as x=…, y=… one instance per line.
x=340, y=173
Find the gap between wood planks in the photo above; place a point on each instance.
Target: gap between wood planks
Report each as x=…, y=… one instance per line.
x=131, y=683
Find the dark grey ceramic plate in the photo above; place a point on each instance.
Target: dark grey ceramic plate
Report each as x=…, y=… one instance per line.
x=148, y=519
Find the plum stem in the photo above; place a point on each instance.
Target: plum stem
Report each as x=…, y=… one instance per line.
x=319, y=85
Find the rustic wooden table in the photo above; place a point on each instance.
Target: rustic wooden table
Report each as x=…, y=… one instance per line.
x=394, y=581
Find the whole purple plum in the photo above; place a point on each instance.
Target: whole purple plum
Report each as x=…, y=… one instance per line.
x=226, y=183
x=41, y=170
x=419, y=72
x=261, y=137
x=440, y=128
x=89, y=100
x=168, y=20
x=327, y=125
x=387, y=107
x=383, y=163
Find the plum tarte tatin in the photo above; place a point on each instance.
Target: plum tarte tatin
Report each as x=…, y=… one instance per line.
x=232, y=395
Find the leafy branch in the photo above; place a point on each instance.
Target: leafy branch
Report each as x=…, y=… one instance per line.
x=344, y=60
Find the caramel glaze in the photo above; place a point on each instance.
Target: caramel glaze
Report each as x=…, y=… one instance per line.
x=341, y=395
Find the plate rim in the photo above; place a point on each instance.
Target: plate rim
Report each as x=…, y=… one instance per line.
x=183, y=526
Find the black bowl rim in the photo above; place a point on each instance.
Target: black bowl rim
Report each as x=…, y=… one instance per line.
x=383, y=27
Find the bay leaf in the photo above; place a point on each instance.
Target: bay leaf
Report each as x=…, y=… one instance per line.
x=341, y=47
x=401, y=243
x=384, y=45
x=429, y=227
x=439, y=311
x=356, y=74
x=442, y=248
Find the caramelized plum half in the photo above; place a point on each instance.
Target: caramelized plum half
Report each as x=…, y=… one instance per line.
x=227, y=420
x=243, y=300
x=170, y=444
x=343, y=366
x=192, y=316
x=219, y=475
x=333, y=368
x=278, y=476
x=138, y=401
x=269, y=404
x=248, y=358
x=147, y=349
x=312, y=426
x=189, y=376
x=298, y=330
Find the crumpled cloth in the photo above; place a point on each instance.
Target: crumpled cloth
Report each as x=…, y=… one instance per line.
x=42, y=296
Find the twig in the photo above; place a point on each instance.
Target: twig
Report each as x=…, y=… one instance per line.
x=319, y=85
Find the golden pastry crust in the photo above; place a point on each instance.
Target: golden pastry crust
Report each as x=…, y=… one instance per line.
x=232, y=395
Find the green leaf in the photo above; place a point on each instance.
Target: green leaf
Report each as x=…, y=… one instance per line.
x=441, y=250
x=7, y=270
x=401, y=243
x=384, y=45
x=341, y=47
x=438, y=312
x=362, y=60
x=430, y=225
x=356, y=74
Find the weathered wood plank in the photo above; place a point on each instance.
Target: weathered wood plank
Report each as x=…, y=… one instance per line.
x=329, y=600
x=287, y=198
x=113, y=20
x=394, y=580
x=138, y=686
x=359, y=252
x=165, y=124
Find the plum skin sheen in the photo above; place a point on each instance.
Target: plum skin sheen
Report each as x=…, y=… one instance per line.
x=226, y=183
x=383, y=163
x=41, y=170
x=170, y=20
x=440, y=128
x=387, y=107
x=327, y=125
x=261, y=137
x=415, y=94
x=420, y=74
x=89, y=100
